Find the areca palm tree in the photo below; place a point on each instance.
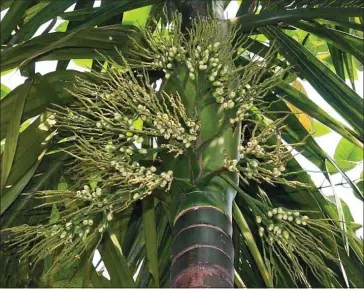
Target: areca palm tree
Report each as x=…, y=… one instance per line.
x=173, y=159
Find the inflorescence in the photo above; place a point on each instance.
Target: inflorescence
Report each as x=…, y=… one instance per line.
x=264, y=156
x=290, y=237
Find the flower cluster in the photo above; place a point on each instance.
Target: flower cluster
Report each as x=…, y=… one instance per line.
x=292, y=236
x=167, y=60
x=145, y=178
x=36, y=242
x=209, y=57
x=89, y=194
x=263, y=157
x=273, y=225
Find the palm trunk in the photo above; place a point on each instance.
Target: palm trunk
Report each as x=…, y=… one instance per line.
x=202, y=250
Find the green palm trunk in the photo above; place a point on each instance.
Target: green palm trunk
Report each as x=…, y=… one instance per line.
x=202, y=250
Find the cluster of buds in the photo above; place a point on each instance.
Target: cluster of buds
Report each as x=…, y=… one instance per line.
x=230, y=164
x=149, y=180
x=264, y=157
x=170, y=129
x=242, y=113
x=145, y=178
x=291, y=237
x=117, y=107
x=274, y=223
x=204, y=57
x=71, y=230
x=89, y=194
x=153, y=181
x=166, y=59
x=251, y=153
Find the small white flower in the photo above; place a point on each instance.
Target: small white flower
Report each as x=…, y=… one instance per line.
x=117, y=116
x=163, y=183
x=261, y=231
x=216, y=45
x=230, y=104
x=98, y=192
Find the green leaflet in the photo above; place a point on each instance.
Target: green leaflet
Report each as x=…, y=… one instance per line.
x=12, y=18
x=337, y=60
x=320, y=129
x=343, y=41
x=344, y=100
x=44, y=90
x=4, y=90
x=41, y=14
x=32, y=141
x=9, y=197
x=89, y=17
x=116, y=263
x=347, y=156
x=13, y=133
x=68, y=25
x=248, y=22
x=305, y=104
x=81, y=44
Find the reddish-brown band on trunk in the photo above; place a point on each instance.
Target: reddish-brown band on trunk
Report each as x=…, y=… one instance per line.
x=202, y=250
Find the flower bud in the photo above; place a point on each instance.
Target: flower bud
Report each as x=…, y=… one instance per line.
x=261, y=231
